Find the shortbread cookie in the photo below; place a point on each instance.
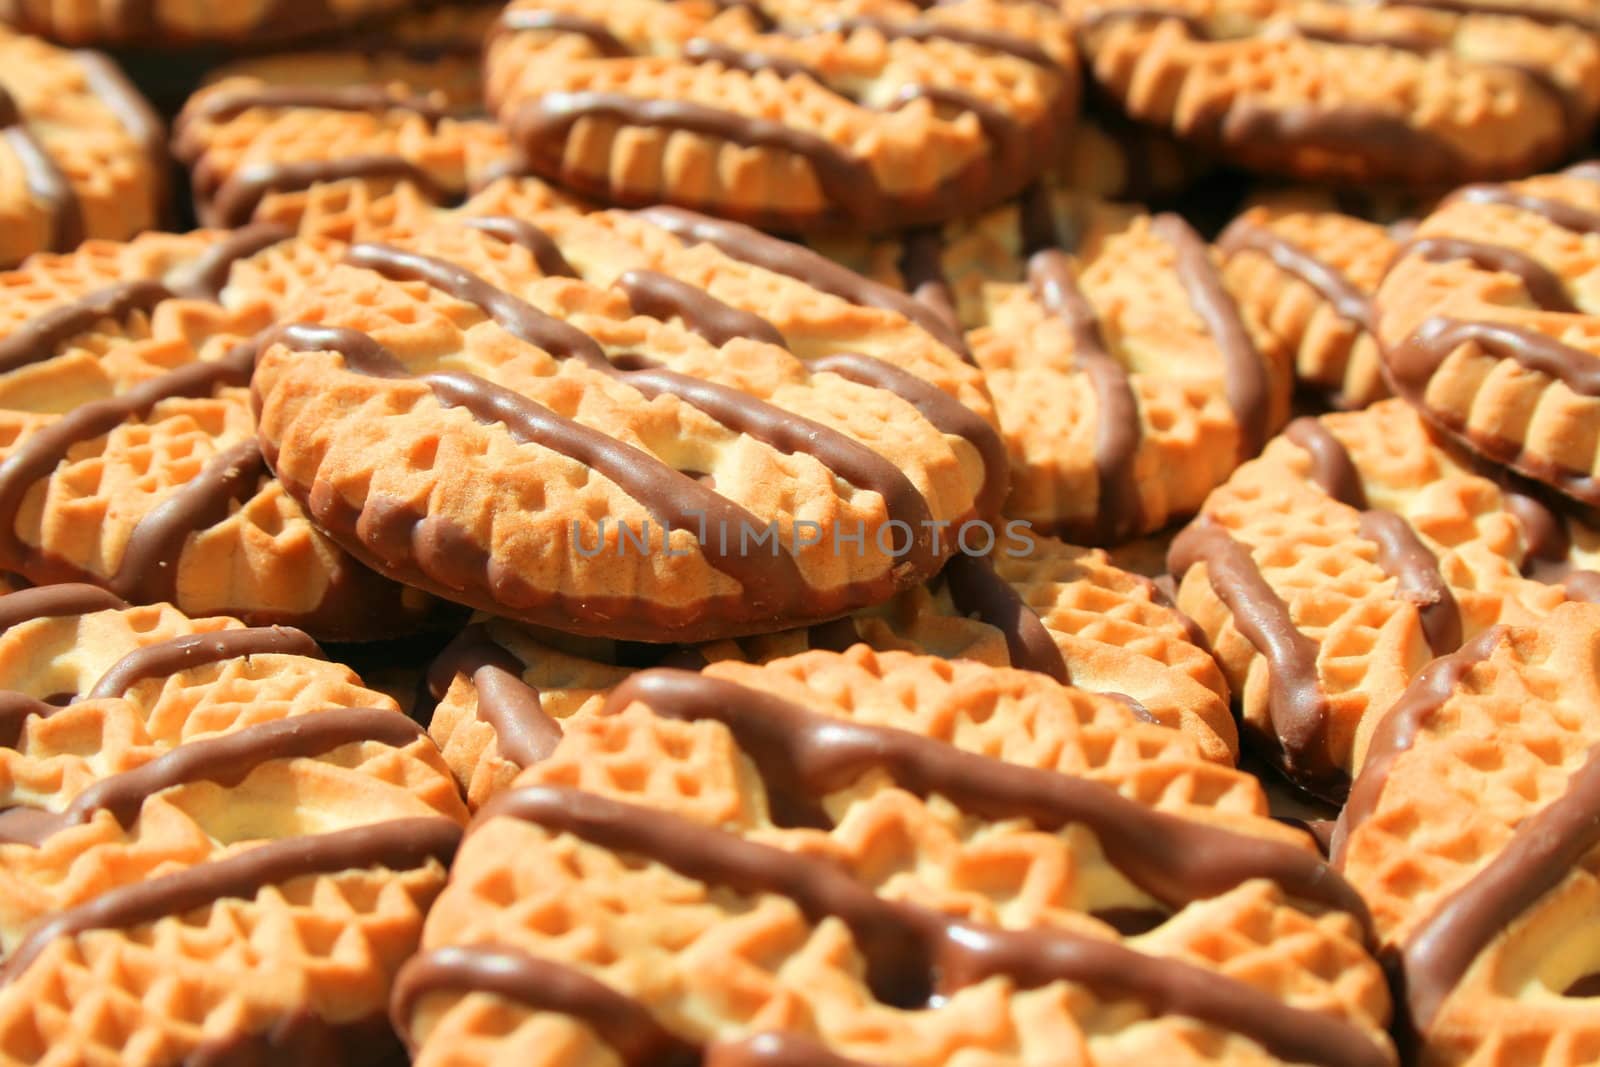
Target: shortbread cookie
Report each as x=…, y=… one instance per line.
x=504, y=691
x=869, y=858
x=1127, y=382
x=1489, y=325
x=263, y=129
x=1415, y=93
x=1358, y=548
x=1472, y=830
x=81, y=152
x=588, y=424
x=1308, y=277
x=128, y=455
x=215, y=846
x=159, y=24
x=787, y=114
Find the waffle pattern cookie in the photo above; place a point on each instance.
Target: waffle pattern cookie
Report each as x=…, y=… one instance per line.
x=652, y=428
x=1358, y=548
x=1489, y=325
x=505, y=692
x=787, y=114
x=215, y=847
x=159, y=24
x=1472, y=831
x=1308, y=277
x=81, y=152
x=1416, y=93
x=874, y=857
x=1127, y=381
x=128, y=455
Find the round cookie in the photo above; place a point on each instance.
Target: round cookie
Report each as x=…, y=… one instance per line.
x=873, y=857
x=1472, y=830
x=505, y=692
x=656, y=427
x=1126, y=380
x=161, y=25
x=128, y=455
x=1359, y=547
x=1413, y=94
x=81, y=152
x=1308, y=276
x=215, y=846
x=1489, y=325
x=791, y=115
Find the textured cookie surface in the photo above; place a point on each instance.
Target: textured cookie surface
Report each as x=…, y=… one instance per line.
x=790, y=115
x=1330, y=571
x=879, y=857
x=127, y=442
x=215, y=846
x=1490, y=324
x=154, y=23
x=505, y=691
x=598, y=425
x=81, y=152
x=1415, y=93
x=1126, y=380
x=1472, y=833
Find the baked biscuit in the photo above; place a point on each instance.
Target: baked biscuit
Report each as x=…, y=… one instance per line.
x=886, y=858
x=1472, y=831
x=81, y=152
x=1489, y=325
x=1413, y=94
x=504, y=691
x=859, y=115
x=1358, y=548
x=590, y=424
x=127, y=442
x=155, y=24
x=1126, y=380
x=215, y=846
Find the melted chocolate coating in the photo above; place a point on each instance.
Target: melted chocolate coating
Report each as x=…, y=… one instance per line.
x=46, y=182
x=977, y=590
x=1329, y=281
x=524, y=733
x=194, y=650
x=55, y=601
x=38, y=338
x=1415, y=568
x=1543, y=285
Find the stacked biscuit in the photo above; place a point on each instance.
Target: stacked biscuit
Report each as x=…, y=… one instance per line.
x=843, y=533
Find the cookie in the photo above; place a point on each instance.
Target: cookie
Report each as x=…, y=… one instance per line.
x=1308, y=277
x=1414, y=94
x=1359, y=547
x=587, y=423
x=84, y=154
x=151, y=24
x=215, y=846
x=880, y=857
x=1488, y=325
x=1126, y=379
x=128, y=455
x=505, y=692
x=373, y=114
x=1472, y=832
x=788, y=115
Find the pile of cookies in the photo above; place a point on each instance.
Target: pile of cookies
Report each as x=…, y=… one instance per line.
x=800, y=533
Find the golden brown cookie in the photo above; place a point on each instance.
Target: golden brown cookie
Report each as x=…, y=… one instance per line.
x=128, y=455
x=1359, y=547
x=868, y=858
x=1472, y=831
x=505, y=692
x=1408, y=93
x=158, y=24
x=590, y=424
x=81, y=152
x=215, y=846
x=787, y=114
x=1308, y=276
x=1489, y=325
x=1126, y=379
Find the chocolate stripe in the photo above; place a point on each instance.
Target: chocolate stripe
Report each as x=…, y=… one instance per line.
x=1556, y=212
x=15, y=708
x=658, y=296
x=705, y=50
x=906, y=945
x=595, y=32
x=46, y=183
x=546, y=253
x=1328, y=281
x=1542, y=284
x=401, y=844
x=194, y=650
x=976, y=589
x=524, y=733
x=55, y=601
x=774, y=1049
x=235, y=201
x=38, y=338
x=1332, y=469
x=921, y=267
x=207, y=275
x=1413, y=362
x=225, y=106
x=1118, y=425
x=1403, y=556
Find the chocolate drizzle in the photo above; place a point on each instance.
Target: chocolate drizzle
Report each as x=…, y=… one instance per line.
x=38, y=338
x=1542, y=284
x=546, y=253
x=400, y=844
x=604, y=42
x=976, y=589
x=233, y=202
x=1413, y=362
x=658, y=296
x=1118, y=425
x=1556, y=212
x=913, y=952
x=46, y=182
x=1332, y=470
x=194, y=650
x=774, y=1049
x=1329, y=282
x=207, y=275
x=1402, y=555
x=15, y=709
x=524, y=733
x=225, y=106
x=54, y=602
